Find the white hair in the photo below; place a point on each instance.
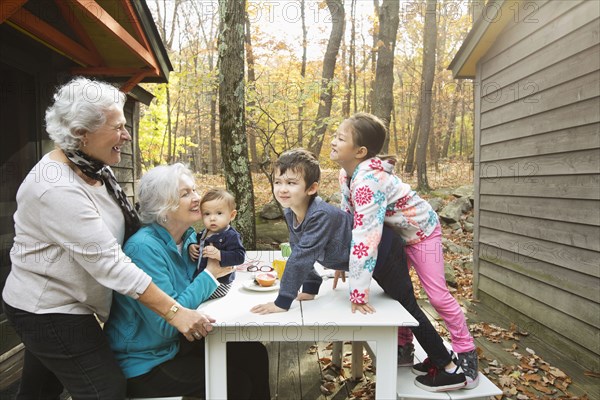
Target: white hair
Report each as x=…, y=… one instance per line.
x=158, y=191
x=79, y=107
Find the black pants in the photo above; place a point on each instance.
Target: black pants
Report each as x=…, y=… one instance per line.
x=65, y=350
x=247, y=373
x=391, y=273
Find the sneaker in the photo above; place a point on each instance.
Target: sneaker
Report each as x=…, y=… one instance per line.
x=439, y=380
x=423, y=368
x=426, y=366
x=406, y=355
x=470, y=365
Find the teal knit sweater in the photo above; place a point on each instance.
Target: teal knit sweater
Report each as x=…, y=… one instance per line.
x=140, y=338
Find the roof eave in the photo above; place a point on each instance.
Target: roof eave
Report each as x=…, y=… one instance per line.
x=481, y=37
x=154, y=40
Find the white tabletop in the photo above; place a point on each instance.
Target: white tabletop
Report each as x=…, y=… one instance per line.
x=333, y=306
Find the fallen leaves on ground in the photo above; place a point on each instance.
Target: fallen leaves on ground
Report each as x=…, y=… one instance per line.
x=334, y=377
x=530, y=377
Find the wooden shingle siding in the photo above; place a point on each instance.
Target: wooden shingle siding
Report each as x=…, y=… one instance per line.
x=570, y=259
x=566, y=140
x=494, y=95
x=573, y=282
x=575, y=211
x=537, y=178
x=575, y=306
x=532, y=40
x=579, y=333
x=124, y=171
x=563, y=187
x=570, y=92
x=576, y=235
x=539, y=170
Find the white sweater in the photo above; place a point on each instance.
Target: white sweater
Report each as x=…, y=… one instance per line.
x=67, y=257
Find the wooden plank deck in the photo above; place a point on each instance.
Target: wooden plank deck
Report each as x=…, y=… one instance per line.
x=296, y=372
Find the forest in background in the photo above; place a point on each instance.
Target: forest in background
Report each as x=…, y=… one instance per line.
x=300, y=69
x=282, y=95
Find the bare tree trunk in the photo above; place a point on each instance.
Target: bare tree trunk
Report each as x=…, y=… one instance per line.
x=302, y=74
x=347, y=80
x=209, y=40
x=336, y=9
x=251, y=87
x=364, y=78
x=451, y=120
x=169, y=131
x=429, y=47
x=374, y=53
x=232, y=123
x=462, y=124
x=383, y=99
x=162, y=21
x=409, y=166
x=175, y=130
x=353, y=53
x=395, y=131
x=436, y=123
x=436, y=132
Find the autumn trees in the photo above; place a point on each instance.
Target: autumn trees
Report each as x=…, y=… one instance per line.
x=305, y=66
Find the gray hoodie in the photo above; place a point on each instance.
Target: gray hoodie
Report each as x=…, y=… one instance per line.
x=323, y=236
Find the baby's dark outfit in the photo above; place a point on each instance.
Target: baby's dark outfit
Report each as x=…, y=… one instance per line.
x=229, y=242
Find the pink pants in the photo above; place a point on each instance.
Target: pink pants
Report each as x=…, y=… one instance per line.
x=427, y=258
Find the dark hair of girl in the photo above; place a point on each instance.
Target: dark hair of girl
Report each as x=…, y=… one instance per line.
x=368, y=131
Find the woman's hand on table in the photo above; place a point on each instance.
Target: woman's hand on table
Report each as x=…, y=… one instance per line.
x=305, y=297
x=267, y=308
x=214, y=267
x=338, y=275
x=365, y=308
x=192, y=324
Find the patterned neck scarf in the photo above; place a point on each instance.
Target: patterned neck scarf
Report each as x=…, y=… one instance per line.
x=97, y=170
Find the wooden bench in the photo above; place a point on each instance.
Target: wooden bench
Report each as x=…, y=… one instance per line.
x=407, y=389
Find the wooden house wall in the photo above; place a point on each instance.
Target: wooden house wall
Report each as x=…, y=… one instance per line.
x=538, y=211
x=125, y=170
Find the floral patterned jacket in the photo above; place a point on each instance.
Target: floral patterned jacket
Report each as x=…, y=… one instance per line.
x=375, y=195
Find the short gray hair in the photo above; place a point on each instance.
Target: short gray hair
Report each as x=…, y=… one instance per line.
x=79, y=107
x=158, y=192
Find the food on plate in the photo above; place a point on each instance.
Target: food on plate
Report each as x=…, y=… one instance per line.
x=265, y=279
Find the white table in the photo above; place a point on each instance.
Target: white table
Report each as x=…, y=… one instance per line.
x=327, y=318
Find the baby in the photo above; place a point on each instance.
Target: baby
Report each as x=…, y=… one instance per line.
x=218, y=240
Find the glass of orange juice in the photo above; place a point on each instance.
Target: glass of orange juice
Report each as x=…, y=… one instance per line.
x=279, y=266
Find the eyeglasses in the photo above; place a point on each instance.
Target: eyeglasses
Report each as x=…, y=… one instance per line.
x=261, y=268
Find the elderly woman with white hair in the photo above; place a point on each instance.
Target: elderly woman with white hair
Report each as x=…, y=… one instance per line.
x=71, y=220
x=155, y=360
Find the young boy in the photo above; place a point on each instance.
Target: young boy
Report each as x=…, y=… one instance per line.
x=321, y=232
x=218, y=240
x=310, y=220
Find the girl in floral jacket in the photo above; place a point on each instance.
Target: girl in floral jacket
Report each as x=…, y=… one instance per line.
x=376, y=196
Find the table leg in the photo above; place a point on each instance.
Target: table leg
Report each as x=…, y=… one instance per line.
x=387, y=362
x=337, y=353
x=215, y=353
x=357, y=360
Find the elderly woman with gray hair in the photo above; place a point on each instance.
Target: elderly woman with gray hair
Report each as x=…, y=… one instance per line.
x=71, y=220
x=155, y=360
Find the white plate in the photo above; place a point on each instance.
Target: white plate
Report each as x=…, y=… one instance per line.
x=250, y=284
